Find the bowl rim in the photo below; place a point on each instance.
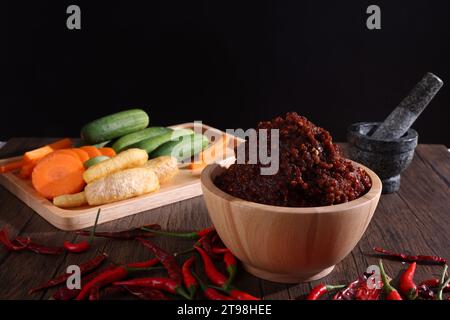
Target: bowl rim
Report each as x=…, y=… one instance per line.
x=374, y=192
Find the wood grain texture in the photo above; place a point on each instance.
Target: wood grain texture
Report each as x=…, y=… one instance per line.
x=416, y=223
x=185, y=185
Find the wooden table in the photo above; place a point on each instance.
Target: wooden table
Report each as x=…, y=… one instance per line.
x=416, y=219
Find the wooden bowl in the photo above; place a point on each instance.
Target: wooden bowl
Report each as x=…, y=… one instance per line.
x=285, y=244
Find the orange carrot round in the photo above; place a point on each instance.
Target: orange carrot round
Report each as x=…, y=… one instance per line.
x=91, y=151
x=58, y=173
x=83, y=155
x=109, y=152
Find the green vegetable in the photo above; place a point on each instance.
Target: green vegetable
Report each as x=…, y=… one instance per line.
x=132, y=138
x=183, y=148
x=114, y=126
x=151, y=144
x=95, y=160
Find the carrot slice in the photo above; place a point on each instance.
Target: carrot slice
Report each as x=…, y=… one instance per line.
x=109, y=152
x=41, y=152
x=91, y=151
x=58, y=173
x=27, y=169
x=11, y=166
x=61, y=144
x=83, y=155
x=37, y=154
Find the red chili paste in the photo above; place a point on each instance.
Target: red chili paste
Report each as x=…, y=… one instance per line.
x=312, y=171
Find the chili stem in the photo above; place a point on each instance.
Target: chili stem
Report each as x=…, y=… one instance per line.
x=442, y=283
x=188, y=235
x=91, y=237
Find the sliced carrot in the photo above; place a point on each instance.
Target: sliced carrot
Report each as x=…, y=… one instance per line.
x=109, y=152
x=69, y=152
x=37, y=154
x=83, y=155
x=11, y=166
x=27, y=170
x=61, y=144
x=58, y=173
x=91, y=151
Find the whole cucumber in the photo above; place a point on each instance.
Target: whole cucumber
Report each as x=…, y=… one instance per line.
x=151, y=144
x=114, y=126
x=126, y=141
x=183, y=148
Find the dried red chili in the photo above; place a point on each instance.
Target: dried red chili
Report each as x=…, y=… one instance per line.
x=411, y=258
x=391, y=292
x=190, y=282
x=349, y=292
x=206, y=243
x=145, y=293
x=240, y=295
x=129, y=234
x=7, y=243
x=165, y=284
x=407, y=286
x=363, y=292
x=84, y=268
x=433, y=283
x=64, y=293
x=167, y=260
x=38, y=248
x=319, y=290
x=220, y=250
x=186, y=235
x=214, y=275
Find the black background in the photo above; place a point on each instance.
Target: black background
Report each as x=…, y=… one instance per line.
x=227, y=63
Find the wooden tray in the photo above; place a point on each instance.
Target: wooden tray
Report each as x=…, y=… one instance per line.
x=185, y=185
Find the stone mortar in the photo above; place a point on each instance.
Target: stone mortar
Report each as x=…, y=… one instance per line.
x=388, y=158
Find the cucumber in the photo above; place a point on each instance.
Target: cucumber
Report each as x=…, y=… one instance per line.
x=114, y=126
x=95, y=160
x=151, y=144
x=132, y=138
x=183, y=148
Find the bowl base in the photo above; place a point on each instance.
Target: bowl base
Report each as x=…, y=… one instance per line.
x=286, y=278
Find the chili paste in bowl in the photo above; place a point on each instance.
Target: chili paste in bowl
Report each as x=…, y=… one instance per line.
x=312, y=172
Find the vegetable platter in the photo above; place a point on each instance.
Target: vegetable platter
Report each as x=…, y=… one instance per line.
x=73, y=212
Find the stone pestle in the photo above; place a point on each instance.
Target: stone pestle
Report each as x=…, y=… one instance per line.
x=401, y=119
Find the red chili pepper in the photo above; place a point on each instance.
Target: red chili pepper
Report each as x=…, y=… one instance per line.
x=84, y=245
x=425, y=292
x=103, y=279
x=219, y=250
x=230, y=265
x=84, y=268
x=211, y=271
x=189, y=280
x=4, y=239
x=411, y=258
x=319, y=290
x=167, y=260
x=187, y=235
x=391, y=292
x=95, y=293
x=38, y=248
x=129, y=234
x=241, y=295
x=65, y=293
x=164, y=284
x=433, y=283
x=143, y=264
x=363, y=292
x=205, y=243
x=210, y=293
x=407, y=286
x=144, y=293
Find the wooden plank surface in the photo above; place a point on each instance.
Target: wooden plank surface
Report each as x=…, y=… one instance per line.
x=416, y=219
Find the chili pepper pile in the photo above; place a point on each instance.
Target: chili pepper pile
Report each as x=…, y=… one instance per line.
x=120, y=278
x=364, y=287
